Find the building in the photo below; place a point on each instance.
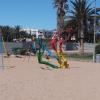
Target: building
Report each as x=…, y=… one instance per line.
x=35, y=32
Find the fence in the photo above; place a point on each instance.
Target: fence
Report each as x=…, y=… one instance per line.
x=9, y=46
x=70, y=46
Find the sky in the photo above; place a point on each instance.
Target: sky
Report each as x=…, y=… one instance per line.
x=38, y=14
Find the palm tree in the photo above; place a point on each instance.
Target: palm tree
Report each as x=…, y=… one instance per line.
x=61, y=6
x=6, y=32
x=17, y=31
x=81, y=13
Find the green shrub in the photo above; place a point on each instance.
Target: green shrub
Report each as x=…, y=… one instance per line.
x=16, y=51
x=23, y=51
x=19, y=51
x=97, y=49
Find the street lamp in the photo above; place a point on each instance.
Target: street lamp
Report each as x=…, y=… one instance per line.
x=94, y=30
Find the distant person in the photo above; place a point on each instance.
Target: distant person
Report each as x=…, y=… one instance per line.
x=33, y=45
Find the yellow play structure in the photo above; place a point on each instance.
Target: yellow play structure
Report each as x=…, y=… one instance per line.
x=62, y=61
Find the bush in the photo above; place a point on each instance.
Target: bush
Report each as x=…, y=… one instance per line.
x=16, y=51
x=97, y=49
x=19, y=51
x=23, y=51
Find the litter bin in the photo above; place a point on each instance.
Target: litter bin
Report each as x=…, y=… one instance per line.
x=98, y=58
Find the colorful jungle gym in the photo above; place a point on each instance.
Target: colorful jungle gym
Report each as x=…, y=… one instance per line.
x=58, y=51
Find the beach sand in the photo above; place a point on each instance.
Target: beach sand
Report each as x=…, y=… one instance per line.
x=25, y=79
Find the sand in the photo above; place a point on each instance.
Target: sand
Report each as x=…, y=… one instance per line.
x=28, y=80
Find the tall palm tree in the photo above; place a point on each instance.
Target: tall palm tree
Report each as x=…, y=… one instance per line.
x=81, y=13
x=61, y=6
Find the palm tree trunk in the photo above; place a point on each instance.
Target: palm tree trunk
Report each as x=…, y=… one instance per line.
x=82, y=46
x=58, y=19
x=81, y=38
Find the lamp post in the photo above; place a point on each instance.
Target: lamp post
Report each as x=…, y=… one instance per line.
x=94, y=30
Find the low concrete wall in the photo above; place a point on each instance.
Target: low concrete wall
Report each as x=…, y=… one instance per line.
x=76, y=46
x=71, y=46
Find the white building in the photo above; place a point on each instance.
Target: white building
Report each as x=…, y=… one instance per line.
x=35, y=32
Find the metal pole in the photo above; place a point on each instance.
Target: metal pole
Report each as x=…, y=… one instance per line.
x=1, y=42
x=94, y=30
x=2, y=52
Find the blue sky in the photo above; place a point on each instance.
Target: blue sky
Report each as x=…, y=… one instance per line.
x=29, y=13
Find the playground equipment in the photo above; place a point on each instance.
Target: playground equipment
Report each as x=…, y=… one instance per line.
x=59, y=54
x=61, y=59
x=41, y=52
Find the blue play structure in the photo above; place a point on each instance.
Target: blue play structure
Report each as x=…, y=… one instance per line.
x=50, y=54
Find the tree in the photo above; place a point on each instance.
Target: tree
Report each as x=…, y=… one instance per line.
x=10, y=33
x=61, y=6
x=17, y=31
x=70, y=29
x=6, y=32
x=81, y=13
